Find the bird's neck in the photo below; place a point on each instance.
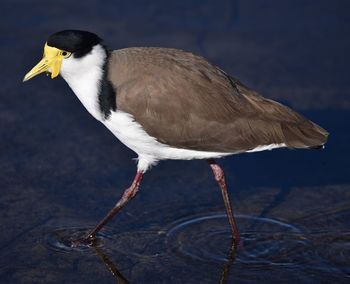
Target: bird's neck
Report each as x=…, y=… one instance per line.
x=87, y=77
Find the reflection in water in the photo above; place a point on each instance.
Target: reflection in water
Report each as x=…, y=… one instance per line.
x=110, y=265
x=226, y=268
x=60, y=240
x=206, y=238
x=112, y=268
x=279, y=198
x=310, y=240
x=203, y=240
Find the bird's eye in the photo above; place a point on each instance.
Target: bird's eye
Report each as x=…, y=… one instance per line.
x=66, y=54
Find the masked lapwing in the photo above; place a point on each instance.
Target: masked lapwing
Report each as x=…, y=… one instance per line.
x=165, y=103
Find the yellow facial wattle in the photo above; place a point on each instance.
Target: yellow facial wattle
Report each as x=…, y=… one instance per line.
x=51, y=62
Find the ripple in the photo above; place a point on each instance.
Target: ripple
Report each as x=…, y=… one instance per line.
x=334, y=249
x=141, y=244
x=61, y=239
x=264, y=240
x=207, y=238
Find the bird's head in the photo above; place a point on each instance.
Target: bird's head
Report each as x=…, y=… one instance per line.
x=61, y=47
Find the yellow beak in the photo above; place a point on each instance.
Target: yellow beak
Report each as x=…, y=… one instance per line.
x=51, y=62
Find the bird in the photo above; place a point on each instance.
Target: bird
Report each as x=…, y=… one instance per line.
x=166, y=103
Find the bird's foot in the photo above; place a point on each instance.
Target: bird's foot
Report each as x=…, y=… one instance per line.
x=89, y=240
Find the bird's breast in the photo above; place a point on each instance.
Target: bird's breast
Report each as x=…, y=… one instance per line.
x=132, y=135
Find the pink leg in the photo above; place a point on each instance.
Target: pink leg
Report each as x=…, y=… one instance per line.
x=220, y=178
x=127, y=195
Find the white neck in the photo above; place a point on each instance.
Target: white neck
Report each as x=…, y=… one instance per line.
x=84, y=76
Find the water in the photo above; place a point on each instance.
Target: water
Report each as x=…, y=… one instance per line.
x=61, y=171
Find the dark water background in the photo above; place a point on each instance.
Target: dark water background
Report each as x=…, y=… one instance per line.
x=61, y=171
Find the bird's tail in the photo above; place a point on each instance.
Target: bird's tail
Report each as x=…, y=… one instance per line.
x=306, y=135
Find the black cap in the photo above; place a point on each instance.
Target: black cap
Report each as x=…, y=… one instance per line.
x=75, y=41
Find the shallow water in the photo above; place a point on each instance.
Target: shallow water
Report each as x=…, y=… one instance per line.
x=61, y=171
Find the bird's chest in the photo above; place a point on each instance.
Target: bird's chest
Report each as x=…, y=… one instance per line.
x=149, y=150
x=131, y=133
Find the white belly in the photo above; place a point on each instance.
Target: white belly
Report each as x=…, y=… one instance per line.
x=149, y=150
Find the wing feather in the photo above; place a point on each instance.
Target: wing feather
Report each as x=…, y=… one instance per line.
x=184, y=101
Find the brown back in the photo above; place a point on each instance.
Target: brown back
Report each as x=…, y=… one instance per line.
x=184, y=101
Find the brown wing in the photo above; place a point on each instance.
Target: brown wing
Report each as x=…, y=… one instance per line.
x=184, y=101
